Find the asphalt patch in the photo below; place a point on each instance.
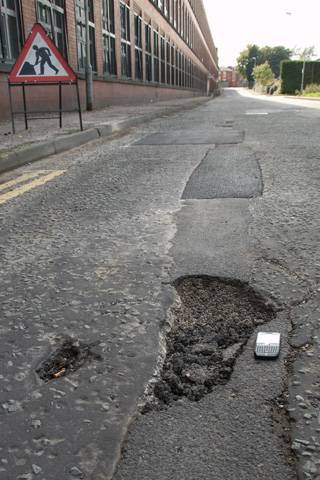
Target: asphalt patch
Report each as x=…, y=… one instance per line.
x=67, y=358
x=216, y=136
x=212, y=324
x=226, y=172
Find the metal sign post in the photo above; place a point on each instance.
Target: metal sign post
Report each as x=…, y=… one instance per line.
x=29, y=114
x=41, y=63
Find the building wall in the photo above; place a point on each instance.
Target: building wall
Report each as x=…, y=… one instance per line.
x=230, y=77
x=182, y=24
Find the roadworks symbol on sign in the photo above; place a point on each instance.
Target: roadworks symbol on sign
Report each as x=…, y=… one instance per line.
x=40, y=61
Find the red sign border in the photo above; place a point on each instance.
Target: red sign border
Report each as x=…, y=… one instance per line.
x=13, y=78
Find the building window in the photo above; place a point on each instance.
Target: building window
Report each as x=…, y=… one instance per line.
x=138, y=46
x=171, y=11
x=156, y=62
x=176, y=24
x=192, y=35
x=177, y=68
x=188, y=73
x=10, y=30
x=182, y=21
x=125, y=40
x=188, y=29
x=51, y=15
x=108, y=36
x=168, y=64
x=172, y=65
x=163, y=59
x=192, y=74
x=179, y=16
x=148, y=54
x=166, y=8
x=174, y=13
x=109, y=55
x=186, y=19
x=183, y=71
x=81, y=35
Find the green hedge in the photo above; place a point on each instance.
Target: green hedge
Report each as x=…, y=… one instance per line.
x=291, y=75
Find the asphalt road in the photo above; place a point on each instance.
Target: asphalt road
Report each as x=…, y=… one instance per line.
x=91, y=242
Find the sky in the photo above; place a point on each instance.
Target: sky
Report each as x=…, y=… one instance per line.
x=236, y=23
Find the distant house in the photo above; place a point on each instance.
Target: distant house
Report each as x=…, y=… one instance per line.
x=229, y=77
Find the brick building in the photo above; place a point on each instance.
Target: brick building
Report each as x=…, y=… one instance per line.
x=229, y=77
x=140, y=49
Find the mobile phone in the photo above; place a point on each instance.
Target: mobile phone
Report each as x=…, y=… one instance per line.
x=268, y=345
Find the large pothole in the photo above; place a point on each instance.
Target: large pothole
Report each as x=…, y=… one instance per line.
x=212, y=322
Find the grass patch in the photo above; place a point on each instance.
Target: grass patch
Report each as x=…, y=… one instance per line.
x=312, y=94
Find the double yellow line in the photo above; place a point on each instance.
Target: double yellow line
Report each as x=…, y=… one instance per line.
x=20, y=185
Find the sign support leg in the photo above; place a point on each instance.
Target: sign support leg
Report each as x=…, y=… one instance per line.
x=25, y=106
x=79, y=105
x=11, y=109
x=60, y=105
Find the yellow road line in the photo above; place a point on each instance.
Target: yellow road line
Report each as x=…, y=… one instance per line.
x=22, y=178
x=29, y=186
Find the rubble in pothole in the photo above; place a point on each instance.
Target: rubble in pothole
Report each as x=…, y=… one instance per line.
x=212, y=322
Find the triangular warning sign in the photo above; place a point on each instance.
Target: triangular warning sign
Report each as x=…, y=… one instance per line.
x=40, y=61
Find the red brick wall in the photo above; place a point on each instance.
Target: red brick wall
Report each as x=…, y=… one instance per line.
x=45, y=98
x=106, y=92
x=72, y=36
x=233, y=78
x=98, y=30
x=29, y=16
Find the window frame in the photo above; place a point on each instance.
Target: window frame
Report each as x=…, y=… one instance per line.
x=163, y=60
x=148, y=51
x=156, y=59
x=138, y=55
x=108, y=38
x=51, y=27
x=6, y=42
x=168, y=62
x=126, y=67
x=173, y=68
x=81, y=39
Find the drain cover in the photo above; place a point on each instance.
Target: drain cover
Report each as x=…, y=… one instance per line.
x=267, y=345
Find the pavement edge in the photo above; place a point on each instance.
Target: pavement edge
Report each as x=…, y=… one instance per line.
x=38, y=151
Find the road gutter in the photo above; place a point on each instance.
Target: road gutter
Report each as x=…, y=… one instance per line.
x=17, y=157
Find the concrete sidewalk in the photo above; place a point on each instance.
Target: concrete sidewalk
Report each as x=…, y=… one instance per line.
x=44, y=137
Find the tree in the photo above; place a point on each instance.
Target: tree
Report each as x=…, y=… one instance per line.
x=274, y=56
x=306, y=53
x=263, y=74
x=248, y=58
x=254, y=55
